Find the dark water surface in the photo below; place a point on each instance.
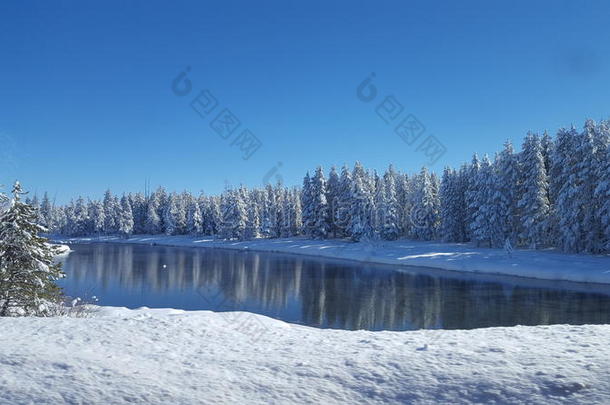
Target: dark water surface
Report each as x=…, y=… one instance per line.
x=323, y=292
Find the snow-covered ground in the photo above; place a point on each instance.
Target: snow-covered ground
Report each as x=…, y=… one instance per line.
x=121, y=356
x=547, y=264
x=63, y=250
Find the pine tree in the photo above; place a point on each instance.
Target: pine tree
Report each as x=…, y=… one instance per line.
x=253, y=220
x=485, y=218
x=139, y=209
x=547, y=146
x=471, y=196
x=333, y=188
x=46, y=212
x=152, y=224
x=194, y=218
x=125, y=218
x=601, y=143
x=317, y=225
x=533, y=191
x=586, y=180
x=560, y=187
x=27, y=270
x=360, y=213
x=389, y=206
x=110, y=210
x=424, y=214
x=79, y=219
x=341, y=215
x=307, y=205
x=506, y=170
x=170, y=216
x=96, y=217
x=451, y=211
x=234, y=215
x=602, y=193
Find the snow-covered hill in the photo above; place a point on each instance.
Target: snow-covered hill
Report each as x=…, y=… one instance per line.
x=144, y=356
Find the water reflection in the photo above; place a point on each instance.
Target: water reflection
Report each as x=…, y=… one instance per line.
x=318, y=292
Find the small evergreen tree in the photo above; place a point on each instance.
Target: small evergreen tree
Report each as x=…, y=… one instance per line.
x=27, y=270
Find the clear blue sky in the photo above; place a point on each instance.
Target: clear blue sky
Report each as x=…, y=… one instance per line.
x=86, y=100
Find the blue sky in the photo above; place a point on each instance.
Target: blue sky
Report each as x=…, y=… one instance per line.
x=87, y=99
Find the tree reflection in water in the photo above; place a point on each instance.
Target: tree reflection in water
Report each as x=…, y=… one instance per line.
x=320, y=292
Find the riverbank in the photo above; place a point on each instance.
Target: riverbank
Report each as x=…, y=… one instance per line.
x=145, y=356
x=539, y=264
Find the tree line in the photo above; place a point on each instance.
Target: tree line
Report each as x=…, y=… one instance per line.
x=555, y=192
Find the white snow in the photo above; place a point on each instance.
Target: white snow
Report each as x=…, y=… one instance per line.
x=63, y=250
x=121, y=356
x=545, y=264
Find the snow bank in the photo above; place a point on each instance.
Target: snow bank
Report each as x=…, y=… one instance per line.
x=545, y=264
x=64, y=250
x=144, y=356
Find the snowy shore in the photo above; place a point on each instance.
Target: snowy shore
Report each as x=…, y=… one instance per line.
x=145, y=356
x=548, y=265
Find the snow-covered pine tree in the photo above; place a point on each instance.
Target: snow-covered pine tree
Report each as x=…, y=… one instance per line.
x=451, y=210
x=234, y=215
x=206, y=221
x=533, y=195
x=3, y=203
x=60, y=220
x=404, y=185
x=215, y=215
x=110, y=210
x=424, y=214
x=80, y=219
x=27, y=270
x=546, y=143
x=601, y=143
x=359, y=227
x=602, y=190
x=285, y=214
x=333, y=187
x=390, y=229
x=183, y=202
x=602, y=194
x=169, y=215
x=292, y=206
x=278, y=195
x=96, y=217
x=253, y=220
x=317, y=225
x=462, y=187
x=376, y=189
x=504, y=200
x=570, y=162
x=162, y=202
x=307, y=205
x=436, y=203
x=126, y=218
x=270, y=211
x=472, y=196
x=45, y=216
x=486, y=217
x=194, y=219
x=586, y=181
x=139, y=209
x=561, y=159
x=361, y=205
x=342, y=205
x=152, y=223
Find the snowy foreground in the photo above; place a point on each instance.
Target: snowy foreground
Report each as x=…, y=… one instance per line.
x=120, y=356
x=549, y=265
